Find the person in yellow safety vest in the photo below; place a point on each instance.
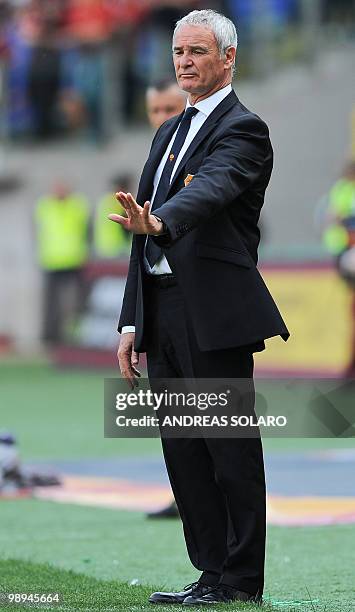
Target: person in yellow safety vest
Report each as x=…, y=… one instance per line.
x=110, y=239
x=339, y=238
x=62, y=223
x=341, y=209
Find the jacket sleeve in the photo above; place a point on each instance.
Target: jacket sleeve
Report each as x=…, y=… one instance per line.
x=236, y=160
x=128, y=311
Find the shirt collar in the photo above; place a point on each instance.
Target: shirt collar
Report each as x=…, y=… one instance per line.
x=208, y=105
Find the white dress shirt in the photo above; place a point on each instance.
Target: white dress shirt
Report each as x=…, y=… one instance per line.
x=205, y=108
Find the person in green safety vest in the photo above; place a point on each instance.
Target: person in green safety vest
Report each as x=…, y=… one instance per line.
x=62, y=223
x=341, y=209
x=339, y=238
x=110, y=239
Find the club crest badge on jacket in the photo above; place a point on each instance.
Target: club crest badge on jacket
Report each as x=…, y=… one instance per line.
x=188, y=179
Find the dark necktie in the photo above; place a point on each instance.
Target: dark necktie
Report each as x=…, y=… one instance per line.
x=153, y=251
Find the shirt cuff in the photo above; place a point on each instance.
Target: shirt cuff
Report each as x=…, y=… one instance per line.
x=127, y=329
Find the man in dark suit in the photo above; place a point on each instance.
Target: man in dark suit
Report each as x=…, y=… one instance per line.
x=196, y=303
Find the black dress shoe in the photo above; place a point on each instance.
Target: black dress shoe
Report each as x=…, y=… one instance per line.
x=221, y=594
x=170, y=511
x=196, y=589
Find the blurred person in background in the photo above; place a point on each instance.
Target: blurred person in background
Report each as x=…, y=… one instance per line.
x=44, y=69
x=339, y=239
x=111, y=240
x=195, y=238
x=90, y=24
x=164, y=100
x=20, y=31
x=88, y=83
x=62, y=223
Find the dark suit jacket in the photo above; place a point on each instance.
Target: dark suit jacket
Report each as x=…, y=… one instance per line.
x=213, y=233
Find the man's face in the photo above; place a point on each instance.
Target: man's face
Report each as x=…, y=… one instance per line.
x=199, y=69
x=162, y=105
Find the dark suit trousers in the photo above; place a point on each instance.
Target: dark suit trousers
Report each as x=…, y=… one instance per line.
x=218, y=484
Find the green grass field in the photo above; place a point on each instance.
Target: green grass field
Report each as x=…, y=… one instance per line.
x=90, y=556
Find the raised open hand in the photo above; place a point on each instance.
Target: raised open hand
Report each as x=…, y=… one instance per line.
x=138, y=220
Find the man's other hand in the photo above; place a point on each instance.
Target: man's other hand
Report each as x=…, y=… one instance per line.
x=128, y=359
x=138, y=220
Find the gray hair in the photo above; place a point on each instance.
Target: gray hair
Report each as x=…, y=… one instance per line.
x=223, y=28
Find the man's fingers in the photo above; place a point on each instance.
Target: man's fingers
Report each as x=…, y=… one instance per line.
x=131, y=380
x=131, y=200
x=134, y=362
x=119, y=219
x=121, y=198
x=125, y=354
x=129, y=203
x=134, y=358
x=128, y=371
x=147, y=218
x=146, y=211
x=133, y=205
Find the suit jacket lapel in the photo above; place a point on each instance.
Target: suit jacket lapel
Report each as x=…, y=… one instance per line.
x=206, y=128
x=146, y=182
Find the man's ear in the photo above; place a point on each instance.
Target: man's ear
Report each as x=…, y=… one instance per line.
x=230, y=57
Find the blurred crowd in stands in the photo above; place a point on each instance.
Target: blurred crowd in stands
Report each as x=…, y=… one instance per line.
x=79, y=66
